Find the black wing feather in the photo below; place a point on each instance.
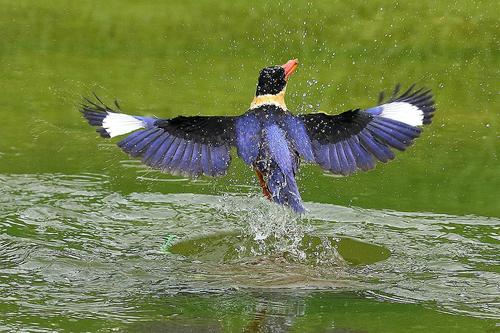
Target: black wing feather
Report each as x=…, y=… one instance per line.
x=212, y=130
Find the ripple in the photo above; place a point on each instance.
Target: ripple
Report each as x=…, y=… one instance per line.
x=69, y=242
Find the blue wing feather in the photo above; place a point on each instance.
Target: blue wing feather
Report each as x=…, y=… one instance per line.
x=187, y=157
x=224, y=158
x=299, y=138
x=173, y=154
x=154, y=148
x=248, y=136
x=195, y=166
x=177, y=157
x=334, y=159
x=169, y=155
x=137, y=149
x=157, y=158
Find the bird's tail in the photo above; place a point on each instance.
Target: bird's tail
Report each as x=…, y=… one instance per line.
x=277, y=173
x=283, y=188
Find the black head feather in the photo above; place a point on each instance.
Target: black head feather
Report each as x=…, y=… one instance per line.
x=271, y=81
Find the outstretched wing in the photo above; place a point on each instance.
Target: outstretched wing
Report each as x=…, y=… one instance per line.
x=356, y=139
x=189, y=146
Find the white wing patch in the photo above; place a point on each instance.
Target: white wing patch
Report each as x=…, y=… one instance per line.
x=403, y=112
x=118, y=123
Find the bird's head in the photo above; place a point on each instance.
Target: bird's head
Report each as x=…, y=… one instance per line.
x=271, y=85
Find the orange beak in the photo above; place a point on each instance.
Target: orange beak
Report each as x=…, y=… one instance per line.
x=290, y=67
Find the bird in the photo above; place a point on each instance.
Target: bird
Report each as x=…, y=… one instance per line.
x=268, y=137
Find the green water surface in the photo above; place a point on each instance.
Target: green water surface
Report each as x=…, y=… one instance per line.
x=92, y=241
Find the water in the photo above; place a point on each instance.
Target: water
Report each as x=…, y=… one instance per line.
x=72, y=249
x=92, y=241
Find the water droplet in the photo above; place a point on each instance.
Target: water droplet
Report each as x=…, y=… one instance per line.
x=312, y=82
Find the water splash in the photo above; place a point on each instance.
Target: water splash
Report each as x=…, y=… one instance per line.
x=275, y=229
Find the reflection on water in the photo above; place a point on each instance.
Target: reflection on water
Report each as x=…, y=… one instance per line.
x=69, y=247
x=234, y=248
